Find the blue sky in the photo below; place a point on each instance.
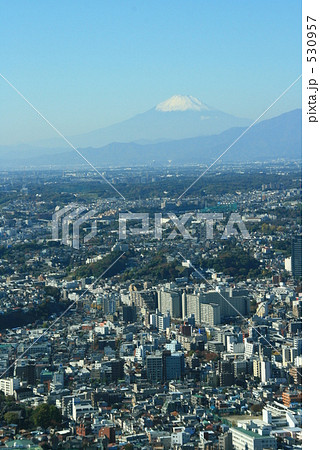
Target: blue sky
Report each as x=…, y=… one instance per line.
x=88, y=64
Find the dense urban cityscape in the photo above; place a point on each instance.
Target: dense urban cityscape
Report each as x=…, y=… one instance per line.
x=185, y=340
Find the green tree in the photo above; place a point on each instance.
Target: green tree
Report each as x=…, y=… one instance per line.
x=46, y=415
x=11, y=417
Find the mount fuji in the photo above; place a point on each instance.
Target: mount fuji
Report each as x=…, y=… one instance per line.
x=179, y=117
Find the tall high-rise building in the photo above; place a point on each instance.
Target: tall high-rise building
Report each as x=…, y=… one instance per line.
x=129, y=313
x=170, y=301
x=164, y=322
x=174, y=366
x=109, y=304
x=165, y=366
x=226, y=373
x=25, y=370
x=296, y=256
x=115, y=369
x=155, y=367
x=265, y=370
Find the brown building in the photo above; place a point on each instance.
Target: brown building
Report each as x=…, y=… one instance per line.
x=290, y=396
x=110, y=432
x=83, y=429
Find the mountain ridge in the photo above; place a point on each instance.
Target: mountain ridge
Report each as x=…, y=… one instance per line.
x=277, y=138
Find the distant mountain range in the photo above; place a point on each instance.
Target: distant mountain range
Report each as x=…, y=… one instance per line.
x=179, y=117
x=180, y=130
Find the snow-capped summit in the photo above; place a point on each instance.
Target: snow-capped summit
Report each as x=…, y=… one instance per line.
x=182, y=103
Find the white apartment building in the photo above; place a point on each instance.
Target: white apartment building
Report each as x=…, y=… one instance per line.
x=265, y=370
x=210, y=314
x=9, y=385
x=243, y=439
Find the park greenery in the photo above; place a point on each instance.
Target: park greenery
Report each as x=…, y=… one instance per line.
x=43, y=416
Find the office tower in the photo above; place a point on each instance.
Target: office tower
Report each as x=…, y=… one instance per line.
x=129, y=313
x=226, y=373
x=109, y=304
x=155, y=367
x=296, y=256
x=174, y=364
x=25, y=370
